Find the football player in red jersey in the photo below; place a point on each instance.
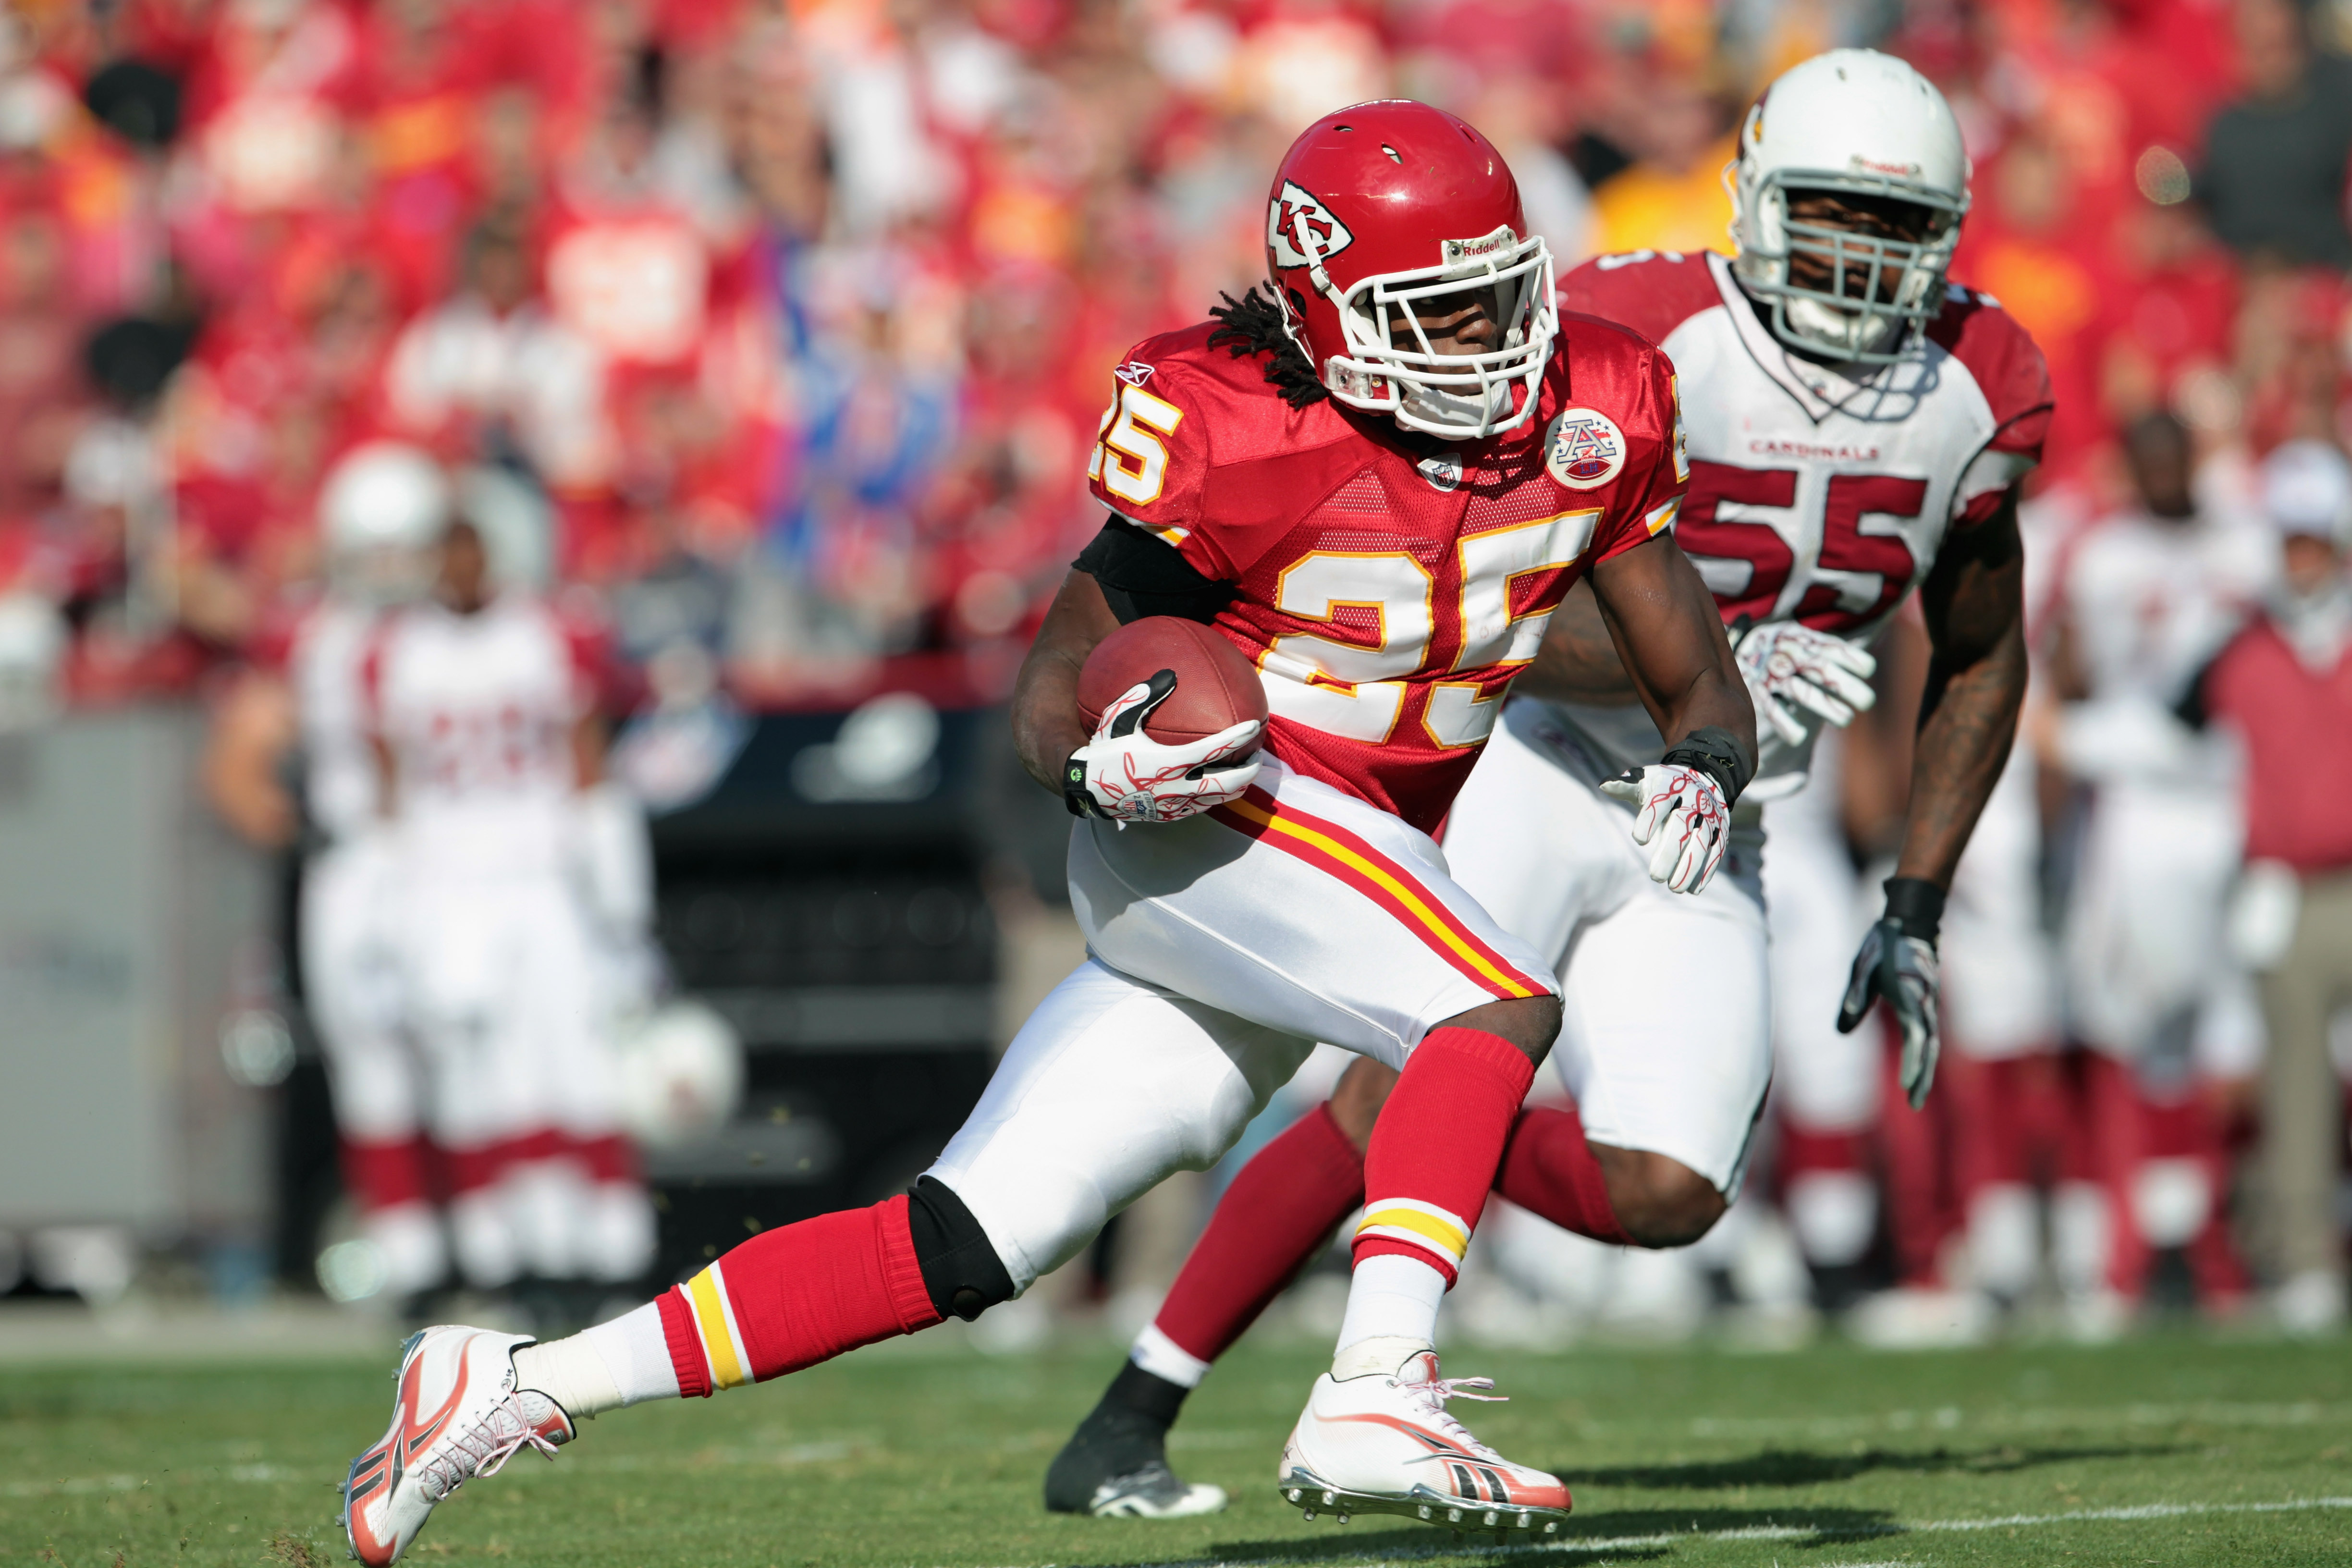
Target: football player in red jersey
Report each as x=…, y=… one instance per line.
x=1377, y=484
x=1864, y=430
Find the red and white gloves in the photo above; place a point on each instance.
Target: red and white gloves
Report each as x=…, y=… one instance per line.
x=1126, y=777
x=1680, y=815
x=1788, y=666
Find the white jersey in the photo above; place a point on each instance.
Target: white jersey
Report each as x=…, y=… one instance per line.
x=478, y=712
x=323, y=654
x=1814, y=496
x=2151, y=601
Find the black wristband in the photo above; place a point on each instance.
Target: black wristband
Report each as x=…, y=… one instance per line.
x=1074, y=793
x=1713, y=751
x=1917, y=905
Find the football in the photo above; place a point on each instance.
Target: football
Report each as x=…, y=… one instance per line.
x=1216, y=687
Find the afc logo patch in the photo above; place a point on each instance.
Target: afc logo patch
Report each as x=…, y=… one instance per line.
x=1135, y=373
x=1584, y=449
x=1282, y=216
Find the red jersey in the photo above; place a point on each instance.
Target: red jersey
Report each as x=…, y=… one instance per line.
x=1389, y=593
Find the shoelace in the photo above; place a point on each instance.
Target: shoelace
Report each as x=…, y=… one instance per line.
x=1436, y=1391
x=482, y=1450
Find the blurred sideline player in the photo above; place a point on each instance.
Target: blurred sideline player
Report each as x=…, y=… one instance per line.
x=380, y=512
x=1377, y=484
x=1857, y=428
x=2150, y=596
x=481, y=708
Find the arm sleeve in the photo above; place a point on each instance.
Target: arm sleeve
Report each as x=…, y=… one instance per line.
x=1647, y=495
x=1141, y=573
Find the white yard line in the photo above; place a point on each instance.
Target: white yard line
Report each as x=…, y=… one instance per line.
x=1592, y=1544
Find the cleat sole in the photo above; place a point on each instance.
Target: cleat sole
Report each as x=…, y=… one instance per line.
x=1311, y=1495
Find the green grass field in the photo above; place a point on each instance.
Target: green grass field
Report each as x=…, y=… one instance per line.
x=2168, y=1450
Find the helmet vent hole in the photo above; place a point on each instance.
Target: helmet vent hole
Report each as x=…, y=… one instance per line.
x=1343, y=128
x=1392, y=154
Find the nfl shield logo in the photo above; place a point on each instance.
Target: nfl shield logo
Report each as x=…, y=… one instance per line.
x=1584, y=449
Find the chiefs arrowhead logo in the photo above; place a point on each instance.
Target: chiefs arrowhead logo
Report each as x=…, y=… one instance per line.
x=1282, y=216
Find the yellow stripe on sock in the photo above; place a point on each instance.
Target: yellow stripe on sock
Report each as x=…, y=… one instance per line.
x=710, y=1319
x=1447, y=1240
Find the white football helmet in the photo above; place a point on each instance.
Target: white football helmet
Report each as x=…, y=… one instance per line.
x=1857, y=122
x=382, y=508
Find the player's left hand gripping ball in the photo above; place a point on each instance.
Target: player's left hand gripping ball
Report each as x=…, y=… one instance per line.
x=1126, y=776
x=1681, y=817
x=1897, y=962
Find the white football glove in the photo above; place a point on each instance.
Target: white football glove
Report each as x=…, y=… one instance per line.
x=1788, y=666
x=1898, y=965
x=1680, y=814
x=1126, y=776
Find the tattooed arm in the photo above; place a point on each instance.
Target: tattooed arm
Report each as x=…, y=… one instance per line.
x=1973, y=603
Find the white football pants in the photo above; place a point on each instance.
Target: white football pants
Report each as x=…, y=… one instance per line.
x=1224, y=947
x=1665, y=1043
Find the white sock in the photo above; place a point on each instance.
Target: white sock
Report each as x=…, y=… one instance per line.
x=1162, y=1357
x=1378, y=1356
x=625, y=1362
x=1391, y=1297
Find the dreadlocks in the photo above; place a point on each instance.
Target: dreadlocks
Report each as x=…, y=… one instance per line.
x=1253, y=325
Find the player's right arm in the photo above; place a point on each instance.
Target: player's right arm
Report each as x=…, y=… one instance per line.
x=1046, y=727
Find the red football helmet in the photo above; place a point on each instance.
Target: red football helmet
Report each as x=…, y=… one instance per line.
x=1387, y=204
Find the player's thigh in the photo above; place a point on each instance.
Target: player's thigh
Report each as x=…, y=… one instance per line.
x=1303, y=910
x=1540, y=848
x=570, y=1064
x=1666, y=1038
x=1826, y=1080
x=346, y=943
x=465, y=947
x=1111, y=1086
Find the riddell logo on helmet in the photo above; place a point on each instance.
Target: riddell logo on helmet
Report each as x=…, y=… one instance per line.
x=1905, y=170
x=1283, y=216
x=1454, y=253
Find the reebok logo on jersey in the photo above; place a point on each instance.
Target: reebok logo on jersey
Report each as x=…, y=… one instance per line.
x=1584, y=449
x=1282, y=218
x=1135, y=373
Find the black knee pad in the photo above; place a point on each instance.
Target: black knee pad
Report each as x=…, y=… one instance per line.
x=961, y=1270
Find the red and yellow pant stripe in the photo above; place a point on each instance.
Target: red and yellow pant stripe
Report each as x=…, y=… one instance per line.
x=1387, y=882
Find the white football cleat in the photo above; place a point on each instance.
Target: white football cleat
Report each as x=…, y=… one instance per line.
x=1386, y=1444
x=458, y=1415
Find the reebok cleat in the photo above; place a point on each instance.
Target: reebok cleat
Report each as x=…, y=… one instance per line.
x=458, y=1415
x=1388, y=1445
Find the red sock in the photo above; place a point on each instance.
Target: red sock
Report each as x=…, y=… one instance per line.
x=1438, y=1145
x=386, y=1175
x=1279, y=1209
x=792, y=1297
x=1549, y=1170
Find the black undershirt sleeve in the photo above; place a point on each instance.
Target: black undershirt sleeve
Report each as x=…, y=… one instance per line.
x=1142, y=575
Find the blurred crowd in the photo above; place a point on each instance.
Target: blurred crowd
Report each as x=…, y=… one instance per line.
x=794, y=318
x=777, y=333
